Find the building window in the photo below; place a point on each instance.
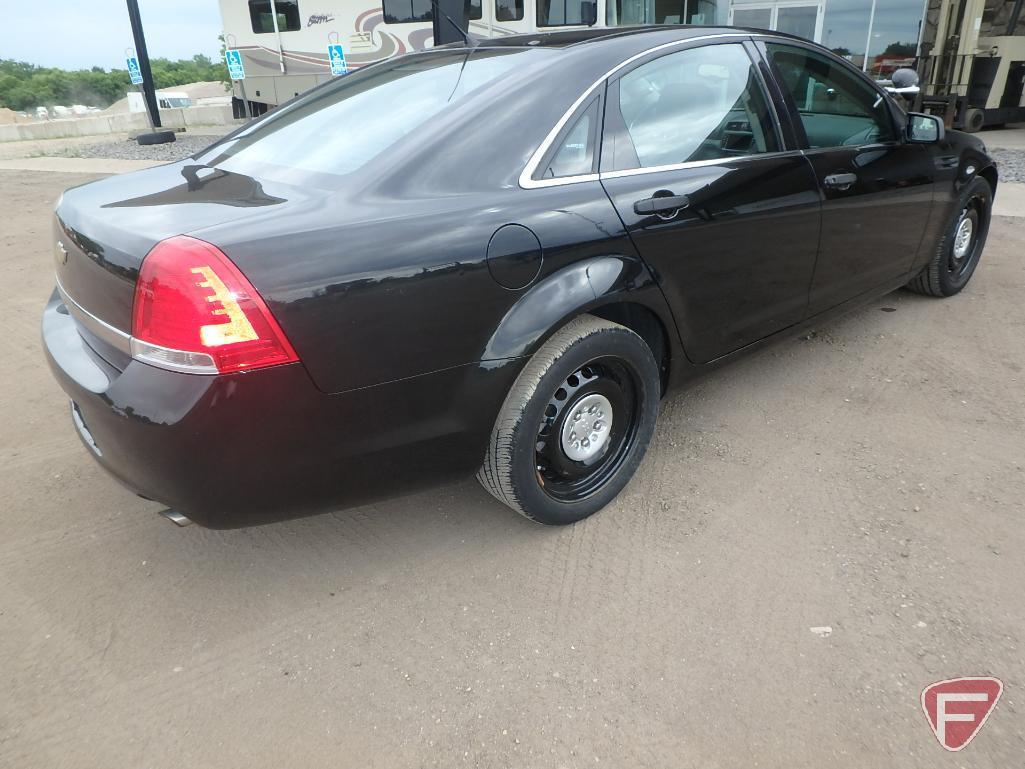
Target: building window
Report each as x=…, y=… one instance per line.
x=508, y=10
x=262, y=17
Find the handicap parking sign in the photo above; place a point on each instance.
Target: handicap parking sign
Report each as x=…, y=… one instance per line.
x=133, y=70
x=337, y=57
x=233, y=58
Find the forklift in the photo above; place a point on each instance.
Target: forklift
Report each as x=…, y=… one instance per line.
x=973, y=73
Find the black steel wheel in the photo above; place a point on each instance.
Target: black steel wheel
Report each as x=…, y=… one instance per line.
x=959, y=250
x=576, y=423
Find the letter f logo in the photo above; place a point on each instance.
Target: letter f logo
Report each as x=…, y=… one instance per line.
x=958, y=707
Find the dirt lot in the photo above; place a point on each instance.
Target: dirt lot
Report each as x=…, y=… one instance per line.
x=869, y=478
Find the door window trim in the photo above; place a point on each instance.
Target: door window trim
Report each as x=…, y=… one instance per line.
x=781, y=137
x=527, y=180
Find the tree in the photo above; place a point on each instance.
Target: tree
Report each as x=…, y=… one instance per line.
x=900, y=50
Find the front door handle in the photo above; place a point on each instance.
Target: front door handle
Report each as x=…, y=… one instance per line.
x=661, y=203
x=840, y=181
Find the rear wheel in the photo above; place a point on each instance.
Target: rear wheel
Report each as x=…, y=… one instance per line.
x=575, y=424
x=959, y=250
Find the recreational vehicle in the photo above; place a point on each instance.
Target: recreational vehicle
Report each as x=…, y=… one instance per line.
x=284, y=43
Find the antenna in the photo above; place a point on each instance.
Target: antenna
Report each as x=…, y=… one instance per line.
x=471, y=41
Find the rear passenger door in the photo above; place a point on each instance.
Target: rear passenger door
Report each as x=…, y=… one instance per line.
x=876, y=188
x=726, y=216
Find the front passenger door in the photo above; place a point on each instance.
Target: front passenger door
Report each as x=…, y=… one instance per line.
x=876, y=188
x=727, y=219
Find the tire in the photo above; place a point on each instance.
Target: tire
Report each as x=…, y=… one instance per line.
x=157, y=137
x=954, y=261
x=606, y=377
x=974, y=120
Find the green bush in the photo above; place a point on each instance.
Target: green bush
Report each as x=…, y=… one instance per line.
x=25, y=86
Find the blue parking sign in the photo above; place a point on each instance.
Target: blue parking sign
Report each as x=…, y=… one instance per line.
x=133, y=70
x=337, y=57
x=233, y=58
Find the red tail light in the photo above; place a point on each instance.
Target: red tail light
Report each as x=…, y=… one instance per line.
x=194, y=310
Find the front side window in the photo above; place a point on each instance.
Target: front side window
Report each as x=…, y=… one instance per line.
x=262, y=17
x=837, y=107
x=699, y=104
x=508, y=10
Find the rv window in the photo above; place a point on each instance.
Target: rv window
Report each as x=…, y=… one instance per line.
x=407, y=11
x=508, y=10
x=560, y=13
x=263, y=20
x=411, y=11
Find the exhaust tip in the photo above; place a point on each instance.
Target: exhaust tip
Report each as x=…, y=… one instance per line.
x=176, y=518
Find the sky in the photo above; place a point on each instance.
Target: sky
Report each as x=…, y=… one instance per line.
x=78, y=34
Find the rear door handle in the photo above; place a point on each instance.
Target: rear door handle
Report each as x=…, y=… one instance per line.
x=840, y=181
x=662, y=202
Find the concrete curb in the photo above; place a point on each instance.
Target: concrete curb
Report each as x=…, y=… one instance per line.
x=77, y=165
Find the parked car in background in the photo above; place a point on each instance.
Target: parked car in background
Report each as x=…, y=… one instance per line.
x=492, y=259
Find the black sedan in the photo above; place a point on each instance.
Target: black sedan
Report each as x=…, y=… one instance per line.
x=491, y=259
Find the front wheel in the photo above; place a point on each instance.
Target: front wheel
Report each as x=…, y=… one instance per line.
x=959, y=250
x=575, y=424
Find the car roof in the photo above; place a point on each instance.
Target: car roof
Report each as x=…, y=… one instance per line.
x=588, y=37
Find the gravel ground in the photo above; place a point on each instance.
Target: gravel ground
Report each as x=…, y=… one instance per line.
x=816, y=533
x=1010, y=164
x=129, y=149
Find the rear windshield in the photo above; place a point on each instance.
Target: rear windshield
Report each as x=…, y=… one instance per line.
x=342, y=127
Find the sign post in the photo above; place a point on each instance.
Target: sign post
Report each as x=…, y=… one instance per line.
x=237, y=72
x=141, y=59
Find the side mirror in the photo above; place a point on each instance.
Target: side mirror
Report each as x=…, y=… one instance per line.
x=925, y=129
x=905, y=77
x=589, y=12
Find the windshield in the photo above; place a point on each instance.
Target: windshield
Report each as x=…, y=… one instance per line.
x=341, y=128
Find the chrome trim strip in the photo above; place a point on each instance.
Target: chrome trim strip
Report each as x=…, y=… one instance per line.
x=698, y=164
x=529, y=183
x=115, y=337
x=126, y=343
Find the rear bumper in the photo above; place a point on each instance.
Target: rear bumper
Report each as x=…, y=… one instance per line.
x=250, y=448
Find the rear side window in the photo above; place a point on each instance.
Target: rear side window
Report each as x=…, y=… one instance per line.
x=699, y=104
x=837, y=107
x=262, y=17
x=574, y=153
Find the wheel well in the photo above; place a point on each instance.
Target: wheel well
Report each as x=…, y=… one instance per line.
x=989, y=173
x=647, y=325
